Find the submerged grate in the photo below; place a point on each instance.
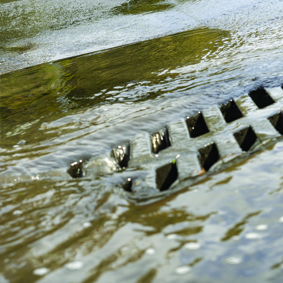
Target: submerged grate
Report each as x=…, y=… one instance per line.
x=121, y=154
x=230, y=111
x=246, y=138
x=166, y=176
x=208, y=156
x=194, y=161
x=159, y=140
x=277, y=122
x=261, y=98
x=196, y=125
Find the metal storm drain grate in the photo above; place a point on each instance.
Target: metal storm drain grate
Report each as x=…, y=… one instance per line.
x=188, y=150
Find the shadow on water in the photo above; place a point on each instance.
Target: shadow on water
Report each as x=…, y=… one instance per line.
x=51, y=90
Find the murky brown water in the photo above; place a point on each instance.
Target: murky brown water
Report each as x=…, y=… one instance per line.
x=53, y=228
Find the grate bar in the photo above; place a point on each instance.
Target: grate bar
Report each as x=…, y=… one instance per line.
x=276, y=92
x=178, y=134
x=188, y=166
x=140, y=146
x=213, y=118
x=246, y=105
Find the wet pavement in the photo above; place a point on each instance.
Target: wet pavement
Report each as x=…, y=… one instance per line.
x=167, y=61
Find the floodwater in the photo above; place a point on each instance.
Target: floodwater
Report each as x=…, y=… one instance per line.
x=99, y=72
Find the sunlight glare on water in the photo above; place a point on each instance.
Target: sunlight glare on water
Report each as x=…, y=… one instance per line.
x=136, y=67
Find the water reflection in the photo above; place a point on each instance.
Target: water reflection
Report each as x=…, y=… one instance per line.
x=55, y=89
x=22, y=20
x=238, y=228
x=129, y=242
x=139, y=6
x=141, y=62
x=228, y=228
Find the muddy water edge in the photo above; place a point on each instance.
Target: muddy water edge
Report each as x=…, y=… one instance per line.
x=53, y=228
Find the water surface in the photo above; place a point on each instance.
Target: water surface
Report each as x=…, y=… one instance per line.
x=136, y=67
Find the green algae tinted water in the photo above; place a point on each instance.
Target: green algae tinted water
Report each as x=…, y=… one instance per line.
x=101, y=78
x=98, y=74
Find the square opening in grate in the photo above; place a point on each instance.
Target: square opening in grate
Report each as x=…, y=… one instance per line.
x=166, y=176
x=261, y=98
x=160, y=140
x=127, y=186
x=76, y=170
x=208, y=155
x=277, y=122
x=196, y=125
x=246, y=138
x=121, y=154
x=230, y=111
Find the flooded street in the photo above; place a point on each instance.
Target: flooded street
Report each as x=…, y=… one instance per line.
x=78, y=78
